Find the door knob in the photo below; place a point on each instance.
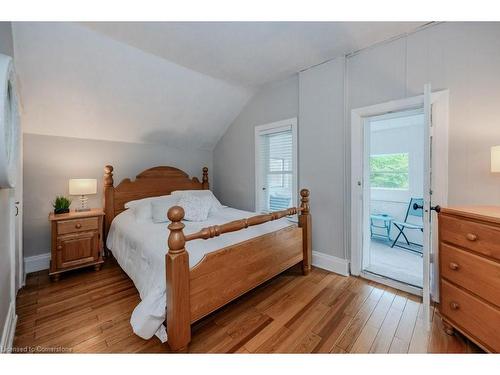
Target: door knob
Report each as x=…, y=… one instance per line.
x=436, y=208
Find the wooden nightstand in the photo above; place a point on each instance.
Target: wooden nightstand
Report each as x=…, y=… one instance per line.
x=77, y=241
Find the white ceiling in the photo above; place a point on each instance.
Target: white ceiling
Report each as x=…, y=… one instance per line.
x=77, y=83
x=179, y=84
x=250, y=53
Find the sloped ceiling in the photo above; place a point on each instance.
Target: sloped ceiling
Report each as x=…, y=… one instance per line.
x=251, y=53
x=180, y=84
x=75, y=82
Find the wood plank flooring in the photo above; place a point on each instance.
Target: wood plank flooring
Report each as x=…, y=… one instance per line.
x=89, y=312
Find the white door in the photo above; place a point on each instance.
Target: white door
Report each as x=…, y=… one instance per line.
x=427, y=205
x=435, y=106
x=435, y=188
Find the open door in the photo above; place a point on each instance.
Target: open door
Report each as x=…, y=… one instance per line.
x=427, y=205
x=432, y=111
x=435, y=188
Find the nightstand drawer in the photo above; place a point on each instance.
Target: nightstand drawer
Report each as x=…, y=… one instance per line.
x=481, y=238
x=473, y=272
x=77, y=225
x=471, y=314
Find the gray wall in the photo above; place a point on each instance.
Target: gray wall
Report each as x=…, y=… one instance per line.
x=321, y=152
x=49, y=162
x=5, y=256
x=461, y=57
x=234, y=161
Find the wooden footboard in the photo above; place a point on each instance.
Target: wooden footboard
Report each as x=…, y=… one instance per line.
x=226, y=274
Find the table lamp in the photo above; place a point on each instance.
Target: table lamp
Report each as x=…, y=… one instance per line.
x=495, y=159
x=82, y=187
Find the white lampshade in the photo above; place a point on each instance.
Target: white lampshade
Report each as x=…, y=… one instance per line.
x=495, y=159
x=82, y=186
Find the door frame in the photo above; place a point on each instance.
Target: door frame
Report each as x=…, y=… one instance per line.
x=440, y=170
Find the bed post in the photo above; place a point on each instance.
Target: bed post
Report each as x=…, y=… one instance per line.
x=305, y=224
x=109, y=198
x=178, y=296
x=204, y=181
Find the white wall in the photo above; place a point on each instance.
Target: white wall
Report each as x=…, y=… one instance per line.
x=49, y=162
x=461, y=57
x=234, y=161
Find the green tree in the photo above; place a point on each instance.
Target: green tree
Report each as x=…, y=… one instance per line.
x=389, y=171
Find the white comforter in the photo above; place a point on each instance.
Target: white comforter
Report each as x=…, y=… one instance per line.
x=140, y=248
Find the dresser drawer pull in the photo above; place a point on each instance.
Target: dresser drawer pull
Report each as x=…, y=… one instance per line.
x=471, y=237
x=454, y=305
x=78, y=225
x=454, y=266
x=59, y=247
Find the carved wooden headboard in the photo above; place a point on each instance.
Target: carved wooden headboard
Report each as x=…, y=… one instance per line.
x=152, y=182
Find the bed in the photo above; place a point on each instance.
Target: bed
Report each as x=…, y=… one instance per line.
x=187, y=270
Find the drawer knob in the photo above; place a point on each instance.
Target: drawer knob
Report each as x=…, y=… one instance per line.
x=78, y=225
x=454, y=266
x=59, y=247
x=454, y=305
x=471, y=236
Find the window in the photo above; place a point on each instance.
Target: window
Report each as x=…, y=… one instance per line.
x=275, y=166
x=389, y=171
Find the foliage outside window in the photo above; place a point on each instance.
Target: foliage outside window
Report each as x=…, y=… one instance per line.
x=389, y=171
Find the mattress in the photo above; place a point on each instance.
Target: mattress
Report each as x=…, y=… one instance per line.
x=140, y=248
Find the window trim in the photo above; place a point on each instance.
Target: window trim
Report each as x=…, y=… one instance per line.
x=270, y=128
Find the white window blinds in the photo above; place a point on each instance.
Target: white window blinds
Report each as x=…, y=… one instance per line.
x=276, y=169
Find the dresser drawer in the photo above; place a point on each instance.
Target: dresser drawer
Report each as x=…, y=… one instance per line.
x=475, y=273
x=472, y=315
x=481, y=238
x=77, y=225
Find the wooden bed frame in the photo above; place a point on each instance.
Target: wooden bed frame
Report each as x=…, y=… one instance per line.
x=223, y=275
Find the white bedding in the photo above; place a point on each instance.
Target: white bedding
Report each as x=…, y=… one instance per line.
x=140, y=248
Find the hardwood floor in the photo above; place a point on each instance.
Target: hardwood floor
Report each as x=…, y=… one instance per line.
x=89, y=312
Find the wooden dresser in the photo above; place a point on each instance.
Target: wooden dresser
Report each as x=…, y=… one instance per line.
x=469, y=263
x=77, y=241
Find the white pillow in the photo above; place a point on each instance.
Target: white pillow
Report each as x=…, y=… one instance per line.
x=161, y=206
x=195, y=208
x=132, y=204
x=143, y=212
x=215, y=205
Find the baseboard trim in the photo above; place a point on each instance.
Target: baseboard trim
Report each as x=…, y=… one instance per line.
x=36, y=263
x=9, y=329
x=330, y=263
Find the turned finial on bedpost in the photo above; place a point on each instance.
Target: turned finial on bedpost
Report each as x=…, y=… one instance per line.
x=108, y=176
x=304, y=201
x=108, y=201
x=178, y=294
x=204, y=181
x=305, y=223
x=176, y=240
